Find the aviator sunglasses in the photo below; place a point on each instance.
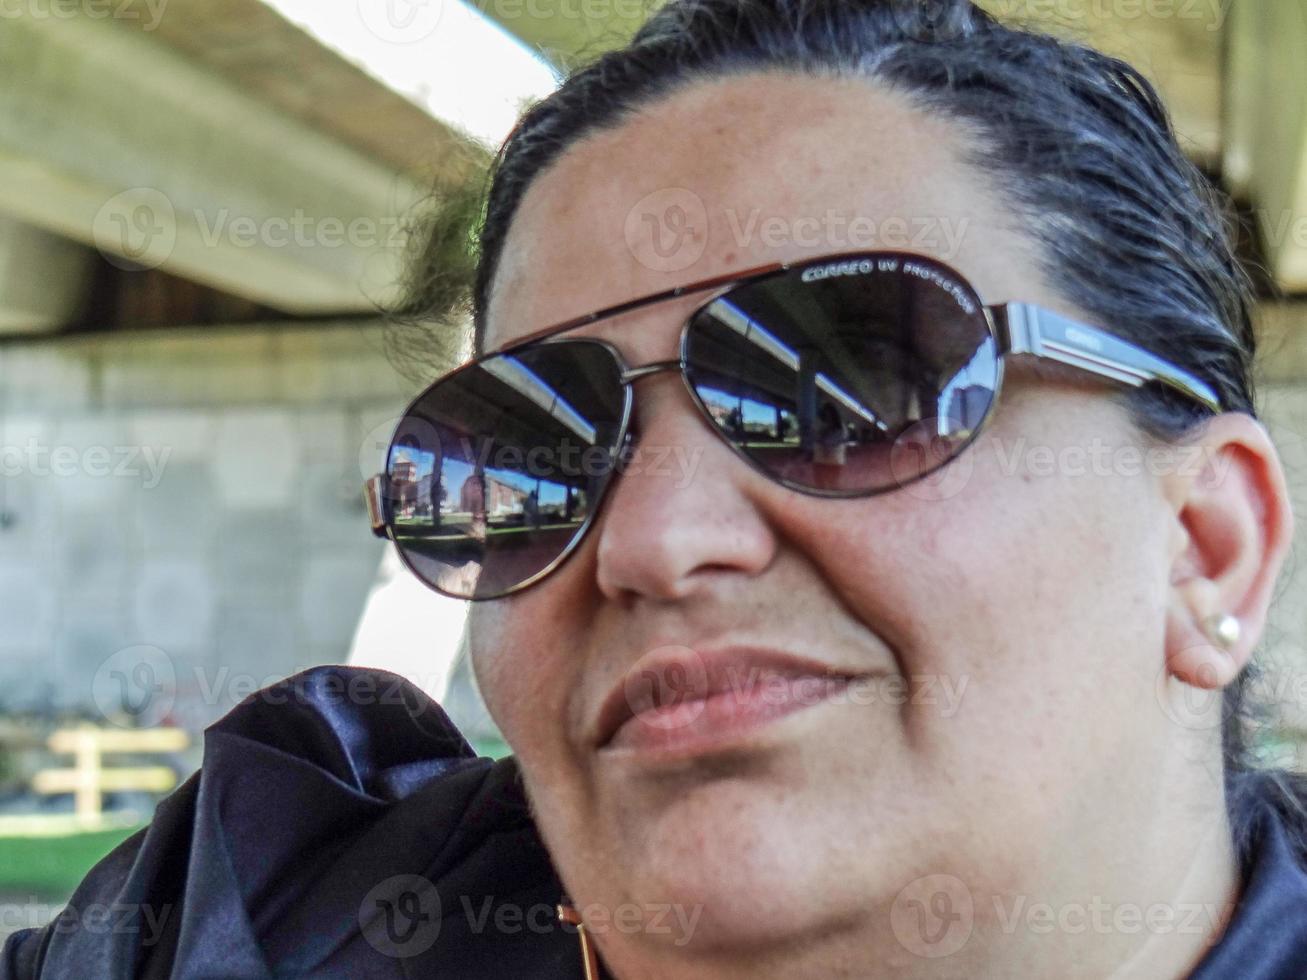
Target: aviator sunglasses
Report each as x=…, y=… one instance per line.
x=843, y=376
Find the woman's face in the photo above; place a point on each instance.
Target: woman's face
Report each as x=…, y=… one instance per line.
x=1003, y=621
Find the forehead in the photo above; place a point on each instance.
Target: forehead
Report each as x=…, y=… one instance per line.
x=740, y=172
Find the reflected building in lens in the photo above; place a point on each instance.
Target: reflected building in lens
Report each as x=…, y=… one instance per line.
x=966, y=407
x=500, y=498
x=412, y=495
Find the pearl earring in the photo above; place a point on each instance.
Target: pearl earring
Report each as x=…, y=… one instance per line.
x=1222, y=629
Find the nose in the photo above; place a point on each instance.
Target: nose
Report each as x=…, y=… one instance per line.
x=683, y=507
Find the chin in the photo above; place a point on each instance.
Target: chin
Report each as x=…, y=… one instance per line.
x=753, y=868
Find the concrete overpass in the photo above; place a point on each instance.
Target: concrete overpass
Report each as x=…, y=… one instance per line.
x=212, y=145
x=211, y=141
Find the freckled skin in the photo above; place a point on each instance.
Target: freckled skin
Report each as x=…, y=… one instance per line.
x=1045, y=596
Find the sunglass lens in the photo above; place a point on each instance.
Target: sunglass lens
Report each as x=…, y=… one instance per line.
x=848, y=377
x=494, y=471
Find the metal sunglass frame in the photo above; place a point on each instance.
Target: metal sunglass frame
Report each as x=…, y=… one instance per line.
x=1015, y=327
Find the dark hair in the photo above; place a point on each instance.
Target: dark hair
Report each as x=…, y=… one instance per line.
x=1077, y=143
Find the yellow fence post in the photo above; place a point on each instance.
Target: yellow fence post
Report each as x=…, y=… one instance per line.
x=89, y=779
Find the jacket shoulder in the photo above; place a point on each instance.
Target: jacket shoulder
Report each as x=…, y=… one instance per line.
x=309, y=789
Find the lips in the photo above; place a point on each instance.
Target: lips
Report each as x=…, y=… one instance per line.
x=679, y=699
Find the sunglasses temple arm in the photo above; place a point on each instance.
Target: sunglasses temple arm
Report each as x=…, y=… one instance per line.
x=1024, y=328
x=372, y=490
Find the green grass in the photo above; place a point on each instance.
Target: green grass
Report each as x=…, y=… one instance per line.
x=493, y=747
x=51, y=867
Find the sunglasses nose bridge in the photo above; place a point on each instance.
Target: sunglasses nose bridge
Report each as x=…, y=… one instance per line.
x=653, y=367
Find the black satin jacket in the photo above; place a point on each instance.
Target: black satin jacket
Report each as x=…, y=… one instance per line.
x=332, y=812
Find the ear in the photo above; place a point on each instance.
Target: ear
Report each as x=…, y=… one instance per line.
x=1233, y=527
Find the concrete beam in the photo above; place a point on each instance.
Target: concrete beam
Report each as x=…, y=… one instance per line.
x=1282, y=342
x=113, y=138
x=570, y=33
x=1265, y=158
x=43, y=278
x=254, y=47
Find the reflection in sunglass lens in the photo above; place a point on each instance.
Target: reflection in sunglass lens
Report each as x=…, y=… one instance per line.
x=493, y=472
x=847, y=377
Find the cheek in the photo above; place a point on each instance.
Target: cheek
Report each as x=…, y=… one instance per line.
x=502, y=658
x=1038, y=594
x=523, y=669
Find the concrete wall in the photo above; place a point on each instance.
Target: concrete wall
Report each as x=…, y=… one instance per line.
x=191, y=491
x=1283, y=653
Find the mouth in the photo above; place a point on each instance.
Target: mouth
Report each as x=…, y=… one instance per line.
x=679, y=702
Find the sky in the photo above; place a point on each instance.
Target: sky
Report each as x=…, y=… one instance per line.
x=441, y=54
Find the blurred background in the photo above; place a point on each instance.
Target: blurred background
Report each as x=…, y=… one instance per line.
x=203, y=203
